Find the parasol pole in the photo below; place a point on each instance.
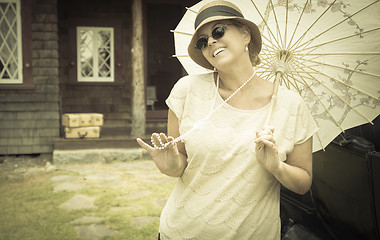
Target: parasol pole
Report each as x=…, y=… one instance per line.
x=279, y=69
x=276, y=83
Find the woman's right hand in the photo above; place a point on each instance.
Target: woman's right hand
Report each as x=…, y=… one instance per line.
x=168, y=160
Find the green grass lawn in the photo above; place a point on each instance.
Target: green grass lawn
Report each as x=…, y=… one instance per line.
x=29, y=208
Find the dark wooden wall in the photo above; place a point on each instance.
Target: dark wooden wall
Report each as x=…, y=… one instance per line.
x=113, y=101
x=29, y=119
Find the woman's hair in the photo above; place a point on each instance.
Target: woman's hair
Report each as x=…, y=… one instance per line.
x=253, y=55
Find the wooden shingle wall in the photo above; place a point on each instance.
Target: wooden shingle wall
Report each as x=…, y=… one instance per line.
x=112, y=100
x=29, y=119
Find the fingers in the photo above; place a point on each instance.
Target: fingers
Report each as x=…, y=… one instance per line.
x=171, y=140
x=265, y=137
x=263, y=142
x=267, y=131
x=164, y=138
x=159, y=141
x=268, y=138
x=144, y=145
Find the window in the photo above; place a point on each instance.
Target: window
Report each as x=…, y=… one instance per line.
x=15, y=44
x=95, y=51
x=10, y=42
x=95, y=54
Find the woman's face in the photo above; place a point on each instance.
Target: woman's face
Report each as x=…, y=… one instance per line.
x=227, y=50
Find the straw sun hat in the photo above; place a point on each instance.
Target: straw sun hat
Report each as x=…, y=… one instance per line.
x=223, y=10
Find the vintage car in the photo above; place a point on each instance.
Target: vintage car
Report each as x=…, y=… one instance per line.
x=344, y=200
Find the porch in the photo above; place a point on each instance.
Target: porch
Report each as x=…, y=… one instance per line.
x=112, y=144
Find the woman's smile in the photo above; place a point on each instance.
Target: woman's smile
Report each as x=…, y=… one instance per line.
x=217, y=51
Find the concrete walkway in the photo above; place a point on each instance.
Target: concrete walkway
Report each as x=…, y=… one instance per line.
x=108, y=173
x=89, y=227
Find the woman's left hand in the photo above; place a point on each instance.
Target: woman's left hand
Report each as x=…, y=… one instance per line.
x=266, y=149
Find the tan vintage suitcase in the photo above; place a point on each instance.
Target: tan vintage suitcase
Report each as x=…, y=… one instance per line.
x=82, y=132
x=82, y=120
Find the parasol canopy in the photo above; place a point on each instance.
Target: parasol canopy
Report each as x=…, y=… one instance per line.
x=327, y=51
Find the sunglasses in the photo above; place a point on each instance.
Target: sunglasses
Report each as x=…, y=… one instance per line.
x=217, y=33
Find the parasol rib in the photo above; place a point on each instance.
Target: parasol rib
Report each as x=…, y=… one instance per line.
x=270, y=60
x=332, y=27
x=311, y=26
x=286, y=23
x=352, y=87
x=267, y=52
x=272, y=52
x=335, y=40
x=303, y=56
x=272, y=46
x=270, y=31
x=328, y=88
x=269, y=76
x=303, y=82
x=264, y=69
x=191, y=10
x=345, y=53
x=278, y=27
x=295, y=86
x=298, y=23
x=294, y=83
x=178, y=56
x=179, y=32
x=288, y=83
x=349, y=69
x=335, y=66
x=265, y=75
x=320, y=142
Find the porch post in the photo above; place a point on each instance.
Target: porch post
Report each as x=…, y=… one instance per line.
x=138, y=86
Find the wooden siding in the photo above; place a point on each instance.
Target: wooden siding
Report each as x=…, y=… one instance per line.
x=29, y=119
x=113, y=100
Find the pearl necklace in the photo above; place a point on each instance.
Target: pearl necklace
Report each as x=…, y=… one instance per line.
x=199, y=123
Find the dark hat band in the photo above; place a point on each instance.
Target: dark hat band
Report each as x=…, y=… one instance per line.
x=213, y=11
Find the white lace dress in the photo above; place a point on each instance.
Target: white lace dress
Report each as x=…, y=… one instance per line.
x=224, y=193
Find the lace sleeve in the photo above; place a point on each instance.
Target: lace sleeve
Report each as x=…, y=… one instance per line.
x=305, y=125
x=177, y=97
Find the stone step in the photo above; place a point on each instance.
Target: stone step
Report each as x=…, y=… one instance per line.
x=98, y=143
x=105, y=155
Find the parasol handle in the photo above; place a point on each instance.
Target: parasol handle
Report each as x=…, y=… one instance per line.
x=276, y=84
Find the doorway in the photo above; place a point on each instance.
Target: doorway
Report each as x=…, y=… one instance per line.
x=163, y=71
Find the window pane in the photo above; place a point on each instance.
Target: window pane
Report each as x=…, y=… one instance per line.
x=86, y=53
x=104, y=53
x=10, y=44
x=95, y=54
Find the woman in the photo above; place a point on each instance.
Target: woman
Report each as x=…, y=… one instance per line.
x=230, y=166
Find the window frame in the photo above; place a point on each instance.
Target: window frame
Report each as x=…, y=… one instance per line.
x=95, y=78
x=26, y=49
x=116, y=24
